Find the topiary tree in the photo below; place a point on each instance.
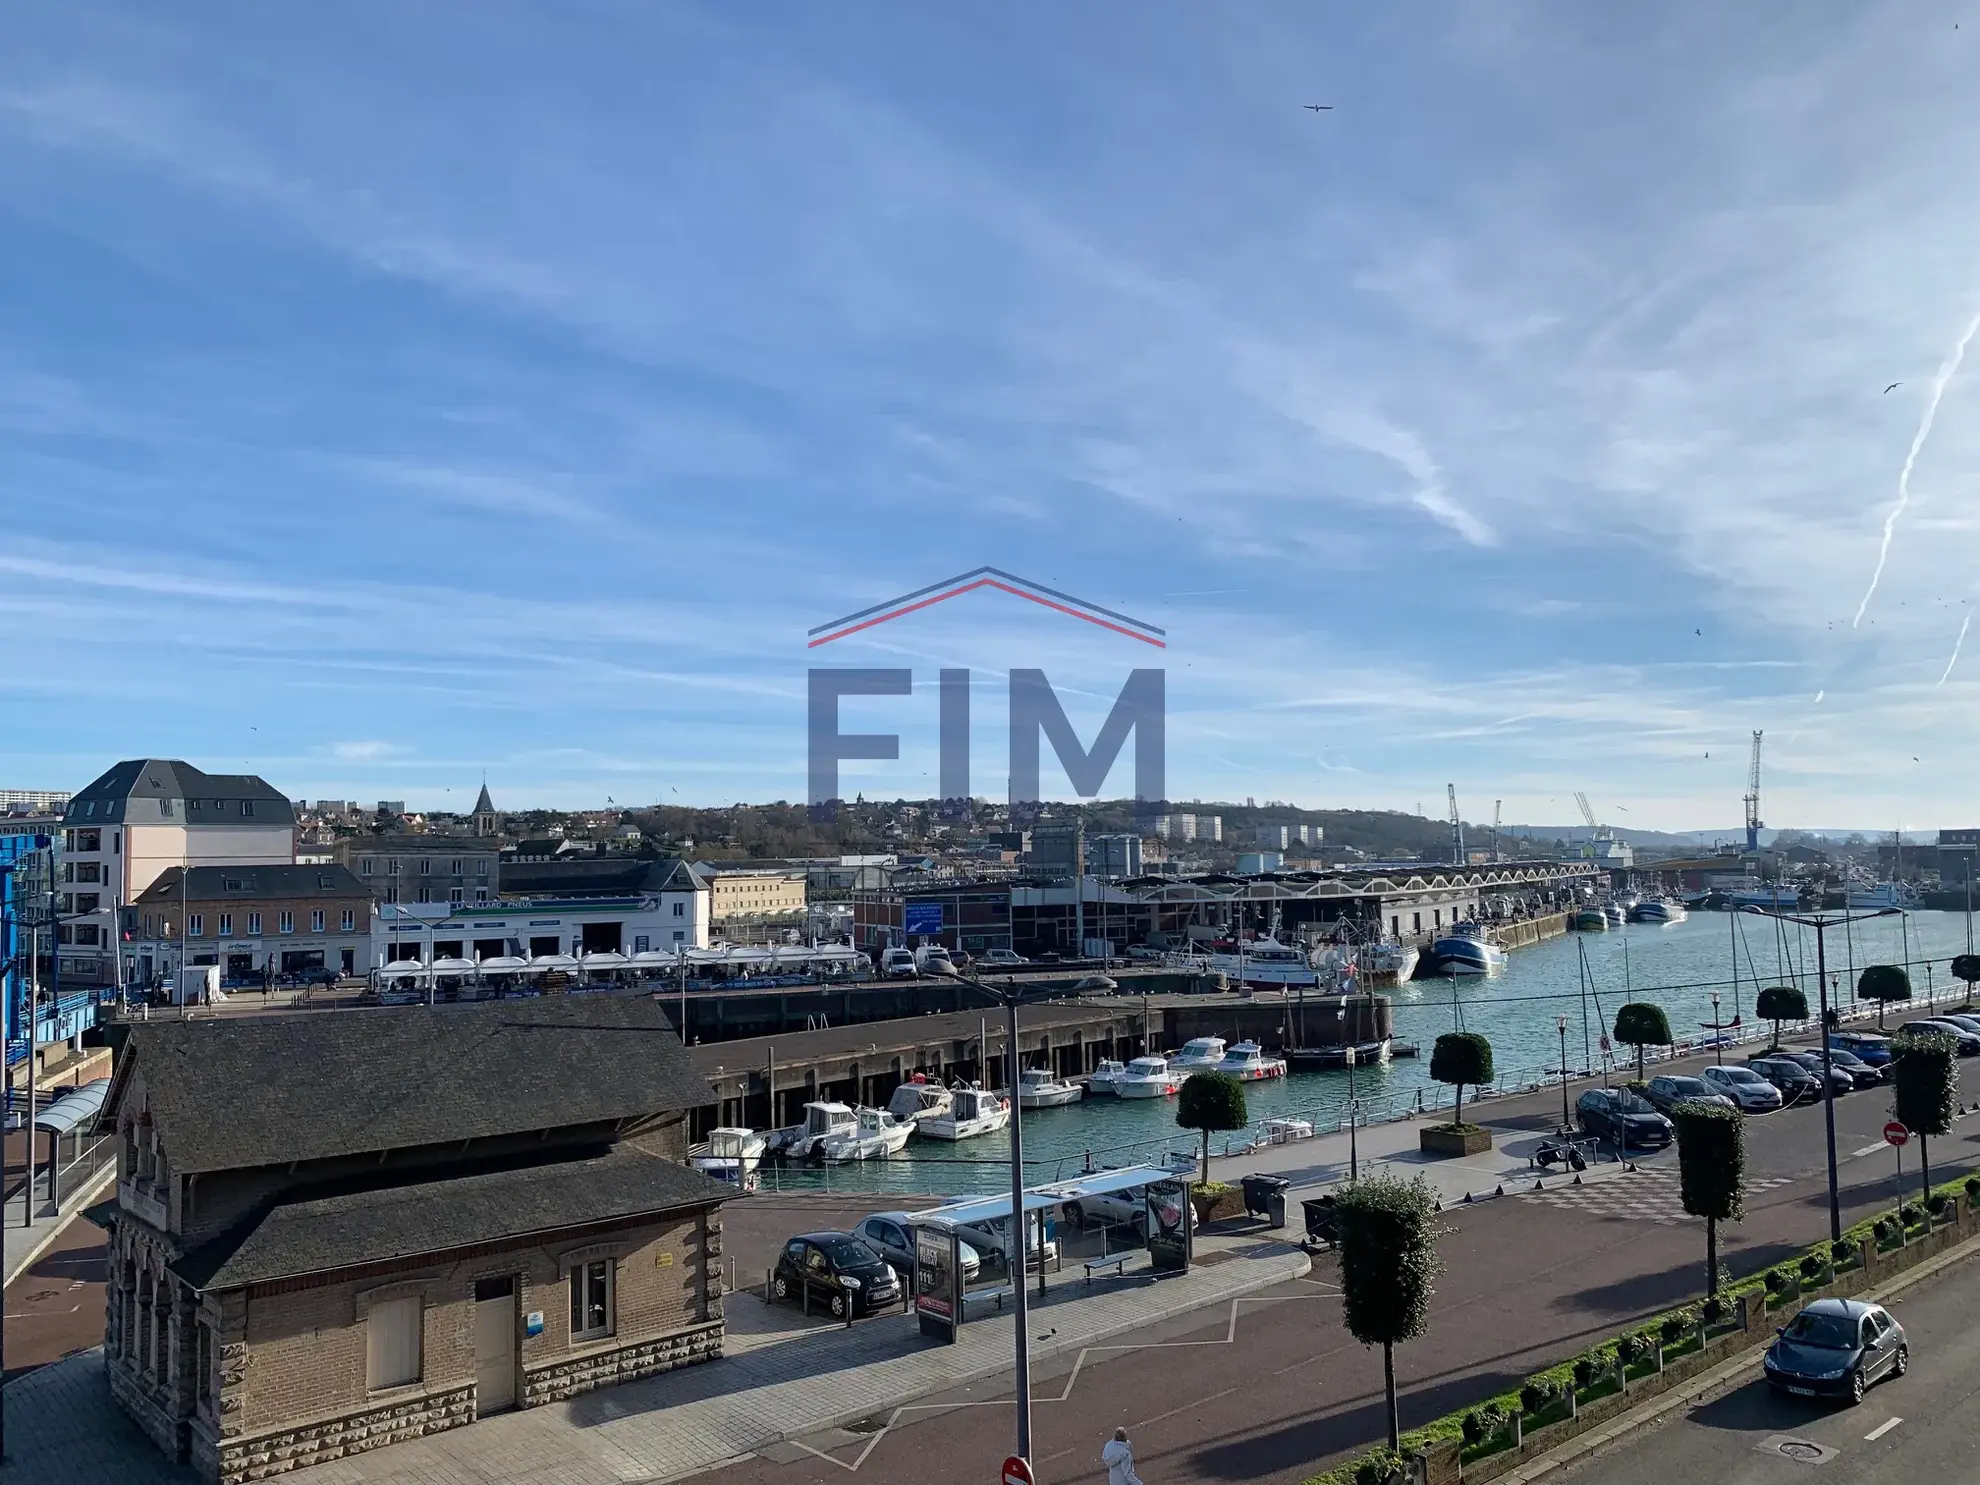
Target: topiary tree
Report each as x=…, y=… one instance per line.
x=1211, y=1101
x=1883, y=983
x=1640, y=1024
x=1458, y=1058
x=1387, y=1232
x=1925, y=1080
x=1711, y=1171
x=1778, y=1003
x=1966, y=968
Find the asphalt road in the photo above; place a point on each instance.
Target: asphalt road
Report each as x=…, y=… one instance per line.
x=56, y=1306
x=1911, y=1428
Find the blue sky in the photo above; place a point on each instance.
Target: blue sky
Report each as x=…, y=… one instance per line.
x=393, y=394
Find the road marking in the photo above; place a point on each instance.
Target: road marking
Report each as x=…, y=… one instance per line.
x=1866, y=1150
x=1881, y=1429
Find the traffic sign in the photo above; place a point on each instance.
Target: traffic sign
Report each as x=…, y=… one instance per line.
x=1017, y=1471
x=1896, y=1134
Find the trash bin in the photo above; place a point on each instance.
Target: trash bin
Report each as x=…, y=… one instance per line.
x=1265, y=1196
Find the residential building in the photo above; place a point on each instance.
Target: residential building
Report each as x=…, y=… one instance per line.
x=252, y=921
x=333, y=1266
x=33, y=801
x=1187, y=827
x=424, y=868
x=1114, y=855
x=753, y=901
x=391, y=807
x=141, y=818
x=1272, y=837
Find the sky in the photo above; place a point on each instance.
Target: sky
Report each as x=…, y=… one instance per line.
x=397, y=396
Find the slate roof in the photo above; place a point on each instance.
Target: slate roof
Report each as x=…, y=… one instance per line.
x=312, y=1235
x=599, y=876
x=263, y=883
x=232, y=1094
x=483, y=805
x=153, y=779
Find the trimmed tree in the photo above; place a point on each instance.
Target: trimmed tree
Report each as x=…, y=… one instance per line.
x=1966, y=968
x=1211, y=1101
x=1778, y=1003
x=1640, y=1024
x=1883, y=983
x=1387, y=1233
x=1925, y=1080
x=1460, y=1058
x=1711, y=1171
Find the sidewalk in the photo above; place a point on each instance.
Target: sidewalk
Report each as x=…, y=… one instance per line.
x=776, y=1384
x=25, y=1243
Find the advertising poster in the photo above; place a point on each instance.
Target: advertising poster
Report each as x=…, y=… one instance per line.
x=937, y=1282
x=1168, y=1226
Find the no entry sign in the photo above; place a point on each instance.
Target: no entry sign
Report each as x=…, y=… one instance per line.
x=1017, y=1471
x=1896, y=1134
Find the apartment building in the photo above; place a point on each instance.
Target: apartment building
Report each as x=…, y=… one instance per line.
x=455, y=869
x=252, y=921
x=751, y=901
x=140, y=819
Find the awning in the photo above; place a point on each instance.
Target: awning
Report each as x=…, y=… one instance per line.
x=401, y=967
x=553, y=961
x=453, y=964
x=606, y=959
x=66, y=1115
x=496, y=964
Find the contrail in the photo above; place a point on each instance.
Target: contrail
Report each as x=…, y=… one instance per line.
x=1956, y=644
x=1946, y=373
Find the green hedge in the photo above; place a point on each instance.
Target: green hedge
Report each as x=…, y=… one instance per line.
x=1557, y=1379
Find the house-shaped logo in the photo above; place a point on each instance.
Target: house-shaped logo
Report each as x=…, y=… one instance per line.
x=998, y=581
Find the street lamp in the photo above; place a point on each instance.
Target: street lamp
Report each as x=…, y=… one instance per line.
x=1822, y=925
x=1354, y=1118
x=1718, y=1034
x=1560, y=1025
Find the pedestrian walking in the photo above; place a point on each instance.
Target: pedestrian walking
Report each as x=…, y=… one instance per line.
x=1118, y=1456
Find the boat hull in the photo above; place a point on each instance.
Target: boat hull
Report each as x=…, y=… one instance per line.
x=1458, y=956
x=965, y=1129
x=1054, y=1098
x=1150, y=1088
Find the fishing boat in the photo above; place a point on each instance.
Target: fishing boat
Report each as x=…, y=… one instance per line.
x=1149, y=1077
x=973, y=1112
x=1039, y=1088
x=731, y=1155
x=1247, y=1062
x=1200, y=1054
x=918, y=1099
x=1366, y=1054
x=822, y=1120
x=1769, y=897
x=1389, y=957
x=1658, y=910
x=1612, y=914
x=1589, y=920
x=875, y=1135
x=1264, y=961
x=1105, y=1080
x=1465, y=950
x=1887, y=894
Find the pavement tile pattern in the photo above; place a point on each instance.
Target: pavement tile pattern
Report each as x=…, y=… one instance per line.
x=1648, y=1194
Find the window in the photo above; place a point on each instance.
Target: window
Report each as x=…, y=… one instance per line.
x=233, y=884
x=286, y=921
x=86, y=934
x=325, y=881
x=680, y=910
x=425, y=867
x=196, y=925
x=247, y=809
x=226, y=925
x=254, y=925
x=65, y=903
x=350, y=920
x=456, y=867
x=165, y=808
x=193, y=805
x=316, y=920
x=426, y=894
x=391, y=1349
x=481, y=867
x=481, y=894
x=364, y=867
x=591, y=1300
x=455, y=896
x=392, y=867
x=391, y=894
x=88, y=902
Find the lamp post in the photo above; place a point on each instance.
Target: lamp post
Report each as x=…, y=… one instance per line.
x=1821, y=925
x=1718, y=1034
x=1354, y=1119
x=1560, y=1025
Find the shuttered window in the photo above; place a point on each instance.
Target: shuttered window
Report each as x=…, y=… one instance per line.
x=392, y=1349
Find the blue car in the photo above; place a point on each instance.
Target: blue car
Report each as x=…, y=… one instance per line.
x=1837, y=1348
x=1866, y=1046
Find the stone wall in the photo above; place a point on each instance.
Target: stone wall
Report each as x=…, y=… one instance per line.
x=234, y=1460
x=575, y=1374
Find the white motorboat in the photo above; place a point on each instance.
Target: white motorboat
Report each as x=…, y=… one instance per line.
x=1149, y=1077
x=822, y=1120
x=973, y=1112
x=918, y=1100
x=730, y=1155
x=1038, y=1088
x=1465, y=950
x=1390, y=958
x=1247, y=1062
x=876, y=1135
x=1613, y=911
x=1282, y=1132
x=1106, y=1078
x=1200, y=1054
x=1890, y=894
x=1658, y=910
x=1265, y=961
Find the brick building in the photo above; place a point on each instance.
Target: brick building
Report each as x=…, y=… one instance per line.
x=251, y=921
x=455, y=869
x=386, y=1230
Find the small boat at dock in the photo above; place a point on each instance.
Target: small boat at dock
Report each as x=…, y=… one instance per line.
x=1105, y=1080
x=875, y=1135
x=1149, y=1077
x=973, y=1112
x=731, y=1155
x=1658, y=910
x=1589, y=920
x=822, y=1120
x=1199, y=1054
x=1039, y=1088
x=1465, y=950
x=919, y=1099
x=1247, y=1062
x=1365, y=1054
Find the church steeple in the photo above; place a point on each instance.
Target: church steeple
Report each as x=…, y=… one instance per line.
x=486, y=821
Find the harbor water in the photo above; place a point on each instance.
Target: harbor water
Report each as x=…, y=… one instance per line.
x=1678, y=966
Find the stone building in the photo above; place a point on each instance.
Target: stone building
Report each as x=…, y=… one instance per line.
x=454, y=869
x=329, y=1237
x=252, y=921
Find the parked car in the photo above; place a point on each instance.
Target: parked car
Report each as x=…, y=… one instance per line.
x=889, y=1234
x=989, y=1241
x=1960, y=1019
x=898, y=964
x=1865, y=1075
x=1795, y=1082
x=841, y=1271
x=1002, y=959
x=1869, y=1046
x=1750, y=1092
x=1626, y=1120
x=1116, y=1209
x=1964, y=1041
x=1841, y=1079
x=1668, y=1091
x=1837, y=1348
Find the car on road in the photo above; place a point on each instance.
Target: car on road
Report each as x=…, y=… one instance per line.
x=841, y=1271
x=889, y=1234
x=1626, y=1120
x=1867, y=1046
x=1002, y=959
x=1841, y=1079
x=1667, y=1091
x=1836, y=1348
x=898, y=964
x=1966, y=1042
x=1795, y=1082
x=1865, y=1075
x=1750, y=1093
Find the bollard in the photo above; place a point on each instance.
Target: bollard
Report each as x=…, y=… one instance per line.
x=1572, y=1401
x=1518, y=1428
x=732, y=1273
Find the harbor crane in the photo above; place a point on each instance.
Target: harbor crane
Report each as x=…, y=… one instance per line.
x=1495, y=830
x=1457, y=827
x=1752, y=800
x=1588, y=814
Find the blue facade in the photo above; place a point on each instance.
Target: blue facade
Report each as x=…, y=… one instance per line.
x=26, y=870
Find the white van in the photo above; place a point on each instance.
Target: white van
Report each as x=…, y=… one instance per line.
x=898, y=964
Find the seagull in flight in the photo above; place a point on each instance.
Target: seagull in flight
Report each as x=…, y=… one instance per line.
x=1318, y=107
x=1892, y=388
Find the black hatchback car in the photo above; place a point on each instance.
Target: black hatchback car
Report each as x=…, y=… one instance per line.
x=839, y=1269
x=1625, y=1119
x=1837, y=1348
x=1795, y=1082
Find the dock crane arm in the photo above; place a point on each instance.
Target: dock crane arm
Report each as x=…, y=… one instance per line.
x=1457, y=827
